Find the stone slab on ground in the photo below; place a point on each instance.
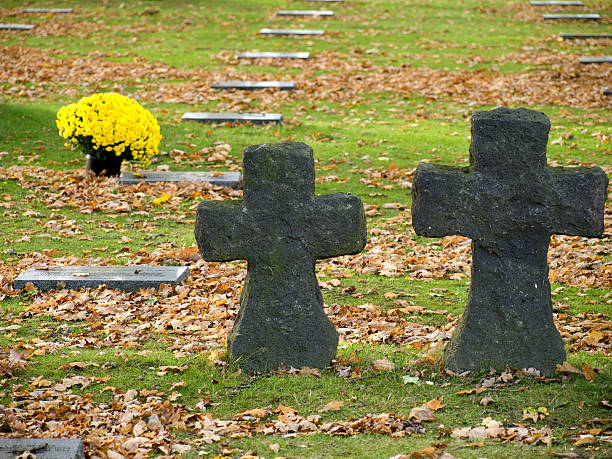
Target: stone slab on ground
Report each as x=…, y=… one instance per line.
x=576, y=17
x=595, y=60
x=582, y=36
x=126, y=278
x=231, y=179
x=48, y=10
x=273, y=55
x=42, y=448
x=509, y=202
x=16, y=26
x=252, y=85
x=301, y=32
x=255, y=118
x=326, y=13
x=558, y=3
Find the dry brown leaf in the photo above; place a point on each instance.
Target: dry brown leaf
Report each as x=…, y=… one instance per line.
x=254, y=413
x=421, y=413
x=567, y=368
x=585, y=440
x=382, y=365
x=436, y=404
x=334, y=405
x=588, y=372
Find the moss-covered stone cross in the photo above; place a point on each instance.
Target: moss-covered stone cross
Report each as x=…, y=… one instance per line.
x=509, y=203
x=281, y=229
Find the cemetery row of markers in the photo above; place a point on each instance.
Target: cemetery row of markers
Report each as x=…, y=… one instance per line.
x=282, y=317
x=334, y=225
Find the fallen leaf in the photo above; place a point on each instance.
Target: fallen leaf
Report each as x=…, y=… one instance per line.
x=163, y=198
x=567, y=368
x=411, y=380
x=421, y=413
x=588, y=372
x=585, y=440
x=334, y=405
x=254, y=413
x=435, y=404
x=382, y=365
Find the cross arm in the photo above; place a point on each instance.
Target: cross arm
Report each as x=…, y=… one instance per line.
x=577, y=198
x=442, y=199
x=339, y=226
x=220, y=230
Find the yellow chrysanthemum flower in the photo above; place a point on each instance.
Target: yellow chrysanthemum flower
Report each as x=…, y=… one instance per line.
x=110, y=123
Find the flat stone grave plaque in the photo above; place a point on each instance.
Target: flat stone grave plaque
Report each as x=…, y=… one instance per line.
x=16, y=26
x=231, y=179
x=48, y=10
x=255, y=118
x=301, y=32
x=591, y=17
x=273, y=55
x=580, y=36
x=42, y=448
x=126, y=278
x=595, y=60
x=305, y=13
x=251, y=85
x=557, y=3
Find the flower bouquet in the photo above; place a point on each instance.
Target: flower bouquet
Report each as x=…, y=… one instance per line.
x=109, y=128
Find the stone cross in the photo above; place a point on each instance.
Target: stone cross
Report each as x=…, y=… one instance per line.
x=281, y=229
x=509, y=203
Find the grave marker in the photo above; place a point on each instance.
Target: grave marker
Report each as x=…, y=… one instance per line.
x=16, y=26
x=126, y=278
x=253, y=85
x=326, y=13
x=509, y=203
x=581, y=36
x=255, y=118
x=41, y=448
x=273, y=55
x=558, y=3
x=591, y=17
x=595, y=60
x=281, y=229
x=298, y=32
x=47, y=10
x=230, y=179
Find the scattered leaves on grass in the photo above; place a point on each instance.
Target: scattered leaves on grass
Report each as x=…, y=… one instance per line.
x=492, y=429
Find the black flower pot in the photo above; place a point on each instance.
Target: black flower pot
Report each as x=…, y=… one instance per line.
x=107, y=166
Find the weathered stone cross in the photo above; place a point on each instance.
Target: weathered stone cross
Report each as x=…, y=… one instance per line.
x=281, y=229
x=509, y=203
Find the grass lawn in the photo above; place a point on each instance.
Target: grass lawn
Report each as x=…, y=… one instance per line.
x=390, y=84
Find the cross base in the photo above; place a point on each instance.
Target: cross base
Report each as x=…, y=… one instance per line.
x=507, y=323
x=260, y=342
